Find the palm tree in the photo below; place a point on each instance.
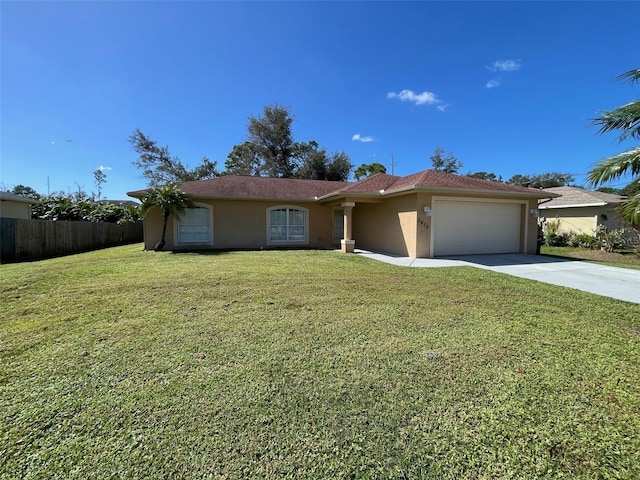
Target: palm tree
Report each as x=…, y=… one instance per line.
x=625, y=119
x=170, y=200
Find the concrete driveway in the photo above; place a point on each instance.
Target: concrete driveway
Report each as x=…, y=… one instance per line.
x=614, y=282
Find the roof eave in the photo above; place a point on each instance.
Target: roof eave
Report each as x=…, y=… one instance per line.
x=476, y=191
x=576, y=205
x=335, y=195
x=19, y=200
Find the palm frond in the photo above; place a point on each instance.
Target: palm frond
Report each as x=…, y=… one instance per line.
x=625, y=118
x=630, y=211
x=615, y=166
x=168, y=198
x=631, y=76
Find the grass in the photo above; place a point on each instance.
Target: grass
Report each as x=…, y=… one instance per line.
x=306, y=364
x=621, y=258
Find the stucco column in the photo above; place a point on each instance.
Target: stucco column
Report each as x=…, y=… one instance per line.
x=348, y=245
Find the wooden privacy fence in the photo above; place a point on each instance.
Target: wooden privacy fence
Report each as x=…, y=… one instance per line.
x=22, y=240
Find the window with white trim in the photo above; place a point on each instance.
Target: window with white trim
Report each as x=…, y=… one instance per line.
x=287, y=225
x=195, y=225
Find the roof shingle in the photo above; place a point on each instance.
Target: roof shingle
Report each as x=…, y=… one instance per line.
x=574, y=196
x=432, y=179
x=256, y=188
x=265, y=188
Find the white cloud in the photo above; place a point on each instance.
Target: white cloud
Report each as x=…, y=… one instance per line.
x=443, y=108
x=505, y=66
x=102, y=169
x=493, y=83
x=423, y=98
x=359, y=138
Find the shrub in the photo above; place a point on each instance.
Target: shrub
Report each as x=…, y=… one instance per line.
x=610, y=240
x=583, y=240
x=61, y=208
x=552, y=235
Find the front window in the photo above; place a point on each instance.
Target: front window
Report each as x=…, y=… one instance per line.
x=194, y=226
x=287, y=225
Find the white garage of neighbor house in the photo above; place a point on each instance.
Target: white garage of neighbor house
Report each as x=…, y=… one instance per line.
x=425, y=214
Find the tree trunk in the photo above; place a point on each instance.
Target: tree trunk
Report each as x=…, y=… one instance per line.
x=159, y=246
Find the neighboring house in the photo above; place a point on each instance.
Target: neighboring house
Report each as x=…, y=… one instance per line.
x=425, y=214
x=15, y=206
x=582, y=211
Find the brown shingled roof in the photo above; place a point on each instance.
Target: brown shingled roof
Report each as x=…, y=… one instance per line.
x=577, y=197
x=265, y=188
x=372, y=184
x=431, y=179
x=256, y=188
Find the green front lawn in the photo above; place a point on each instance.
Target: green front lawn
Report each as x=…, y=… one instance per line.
x=309, y=364
x=621, y=258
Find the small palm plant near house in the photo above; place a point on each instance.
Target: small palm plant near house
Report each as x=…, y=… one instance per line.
x=171, y=201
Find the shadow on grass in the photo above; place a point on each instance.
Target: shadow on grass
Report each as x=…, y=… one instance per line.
x=225, y=251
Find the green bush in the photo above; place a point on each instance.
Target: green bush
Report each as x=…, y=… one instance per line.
x=65, y=208
x=611, y=240
x=583, y=240
x=552, y=235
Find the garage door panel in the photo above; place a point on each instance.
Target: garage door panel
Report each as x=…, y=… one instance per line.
x=465, y=228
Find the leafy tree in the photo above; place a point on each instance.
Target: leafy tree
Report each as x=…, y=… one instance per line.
x=243, y=160
x=316, y=165
x=542, y=180
x=25, y=192
x=626, y=121
x=486, y=176
x=631, y=188
x=611, y=190
x=522, y=180
x=445, y=163
x=314, y=161
x=270, y=150
x=366, y=170
x=272, y=139
x=170, y=200
x=160, y=168
x=339, y=167
x=99, y=178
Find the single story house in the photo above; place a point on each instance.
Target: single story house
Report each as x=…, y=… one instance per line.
x=426, y=214
x=581, y=211
x=15, y=206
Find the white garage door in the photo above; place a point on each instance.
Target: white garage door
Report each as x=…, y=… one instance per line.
x=467, y=228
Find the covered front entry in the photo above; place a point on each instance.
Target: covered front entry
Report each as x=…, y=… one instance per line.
x=476, y=226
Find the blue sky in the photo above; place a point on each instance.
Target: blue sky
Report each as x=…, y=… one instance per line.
x=508, y=87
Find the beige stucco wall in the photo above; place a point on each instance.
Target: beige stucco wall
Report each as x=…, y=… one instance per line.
x=392, y=226
x=9, y=209
x=400, y=226
x=242, y=224
x=584, y=219
x=397, y=225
